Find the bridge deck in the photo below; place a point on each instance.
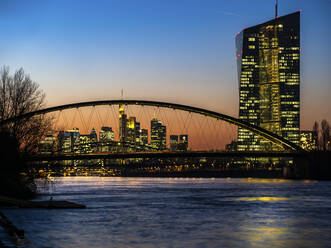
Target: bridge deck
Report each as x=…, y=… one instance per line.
x=181, y=154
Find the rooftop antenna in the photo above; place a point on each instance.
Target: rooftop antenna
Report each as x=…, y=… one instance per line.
x=122, y=94
x=276, y=10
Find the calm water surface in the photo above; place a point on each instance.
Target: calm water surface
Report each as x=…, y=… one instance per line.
x=170, y=212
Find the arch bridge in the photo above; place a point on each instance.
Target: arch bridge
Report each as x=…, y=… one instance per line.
x=286, y=148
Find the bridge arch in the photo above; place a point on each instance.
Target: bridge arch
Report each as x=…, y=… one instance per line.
x=229, y=119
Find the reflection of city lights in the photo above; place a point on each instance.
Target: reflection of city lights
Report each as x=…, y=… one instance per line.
x=264, y=198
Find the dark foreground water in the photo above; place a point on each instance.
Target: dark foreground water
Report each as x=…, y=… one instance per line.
x=170, y=212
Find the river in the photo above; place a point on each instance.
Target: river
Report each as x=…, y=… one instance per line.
x=180, y=212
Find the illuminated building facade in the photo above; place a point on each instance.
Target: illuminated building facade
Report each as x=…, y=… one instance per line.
x=158, y=134
x=144, y=137
x=85, y=144
x=183, y=142
x=47, y=145
x=106, y=137
x=307, y=140
x=94, y=140
x=131, y=130
x=173, y=142
x=122, y=125
x=68, y=140
x=268, y=63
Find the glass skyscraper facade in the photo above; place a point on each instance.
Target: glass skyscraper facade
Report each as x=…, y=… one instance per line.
x=268, y=63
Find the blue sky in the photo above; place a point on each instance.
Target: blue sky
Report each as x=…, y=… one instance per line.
x=178, y=51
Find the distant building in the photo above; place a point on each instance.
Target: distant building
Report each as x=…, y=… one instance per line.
x=122, y=125
x=144, y=137
x=94, y=140
x=268, y=62
x=85, y=144
x=158, y=134
x=106, y=138
x=233, y=146
x=183, y=142
x=69, y=141
x=173, y=142
x=131, y=131
x=47, y=145
x=307, y=141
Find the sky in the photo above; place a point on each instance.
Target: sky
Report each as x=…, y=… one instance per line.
x=176, y=51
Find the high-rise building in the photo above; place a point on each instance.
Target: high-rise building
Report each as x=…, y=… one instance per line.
x=122, y=125
x=183, y=142
x=94, y=140
x=307, y=141
x=106, y=136
x=173, y=142
x=158, y=134
x=143, y=137
x=69, y=141
x=47, y=145
x=85, y=143
x=131, y=130
x=268, y=62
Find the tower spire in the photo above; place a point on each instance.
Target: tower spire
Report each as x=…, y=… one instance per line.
x=276, y=10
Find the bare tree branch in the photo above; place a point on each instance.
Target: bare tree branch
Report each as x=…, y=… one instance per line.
x=20, y=95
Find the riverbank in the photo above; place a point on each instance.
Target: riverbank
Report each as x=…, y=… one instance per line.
x=19, y=203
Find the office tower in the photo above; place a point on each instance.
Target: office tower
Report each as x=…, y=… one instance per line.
x=131, y=130
x=94, y=140
x=85, y=144
x=268, y=63
x=122, y=125
x=106, y=137
x=47, y=145
x=144, y=137
x=158, y=134
x=69, y=141
x=106, y=134
x=137, y=133
x=183, y=142
x=173, y=142
x=307, y=140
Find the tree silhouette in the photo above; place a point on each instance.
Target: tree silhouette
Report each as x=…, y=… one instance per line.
x=316, y=135
x=325, y=134
x=20, y=95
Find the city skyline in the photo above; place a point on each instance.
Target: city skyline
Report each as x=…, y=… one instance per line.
x=130, y=137
x=75, y=58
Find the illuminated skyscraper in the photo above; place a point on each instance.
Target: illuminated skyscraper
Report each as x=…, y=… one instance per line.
x=47, y=145
x=183, y=142
x=122, y=125
x=106, y=136
x=158, y=134
x=173, y=142
x=307, y=140
x=144, y=137
x=268, y=62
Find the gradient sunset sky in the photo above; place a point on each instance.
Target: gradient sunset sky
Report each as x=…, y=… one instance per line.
x=177, y=51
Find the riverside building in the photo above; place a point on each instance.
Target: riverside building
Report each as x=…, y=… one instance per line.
x=268, y=63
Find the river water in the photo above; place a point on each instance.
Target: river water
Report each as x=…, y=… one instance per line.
x=181, y=212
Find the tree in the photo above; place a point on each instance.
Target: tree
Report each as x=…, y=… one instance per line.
x=20, y=95
x=315, y=135
x=325, y=135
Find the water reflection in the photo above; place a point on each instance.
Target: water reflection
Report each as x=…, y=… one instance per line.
x=182, y=212
x=264, y=198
